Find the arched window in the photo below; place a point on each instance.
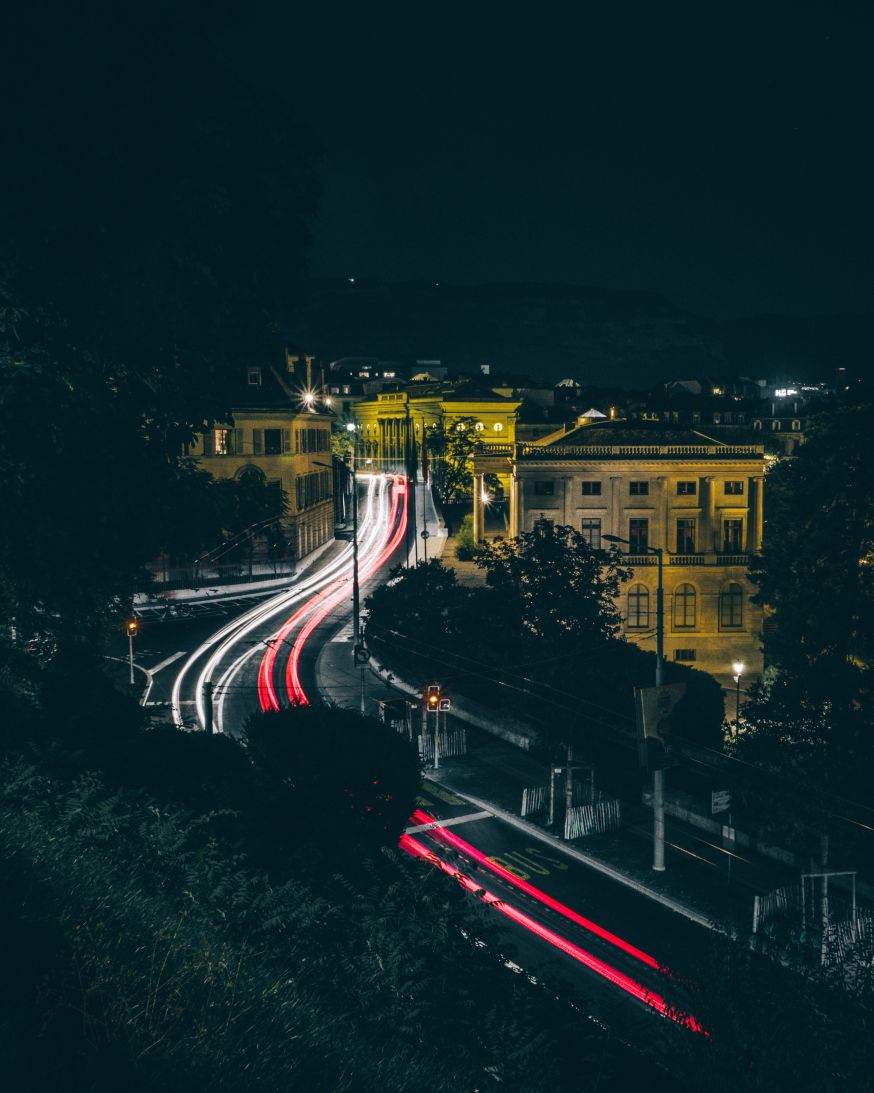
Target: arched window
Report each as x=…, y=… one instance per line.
x=796, y=426
x=251, y=475
x=638, y=607
x=757, y=424
x=684, y=606
x=775, y=425
x=731, y=607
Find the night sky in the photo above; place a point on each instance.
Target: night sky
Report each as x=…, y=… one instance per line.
x=719, y=154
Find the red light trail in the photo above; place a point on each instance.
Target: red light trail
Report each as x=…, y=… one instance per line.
x=478, y=856
x=320, y=606
x=612, y=975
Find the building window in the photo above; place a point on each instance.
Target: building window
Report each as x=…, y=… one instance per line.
x=796, y=426
x=685, y=609
x=741, y=418
x=687, y=489
x=717, y=419
x=253, y=376
x=734, y=489
x=544, y=489
x=479, y=426
x=757, y=424
x=498, y=427
x=591, y=488
x=638, y=536
x=273, y=441
x=732, y=535
x=685, y=536
x=696, y=417
x=638, y=489
x=775, y=425
x=731, y=607
x=726, y=418
x=591, y=532
x=638, y=607
x=684, y=654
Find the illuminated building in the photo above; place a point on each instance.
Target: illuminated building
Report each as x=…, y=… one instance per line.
x=698, y=499
x=279, y=436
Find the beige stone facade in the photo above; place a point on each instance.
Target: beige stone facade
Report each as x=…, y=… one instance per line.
x=284, y=445
x=698, y=500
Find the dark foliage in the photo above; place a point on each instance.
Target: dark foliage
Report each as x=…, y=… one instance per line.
x=539, y=641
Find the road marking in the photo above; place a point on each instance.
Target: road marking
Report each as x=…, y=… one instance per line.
x=166, y=663
x=595, y=863
x=448, y=823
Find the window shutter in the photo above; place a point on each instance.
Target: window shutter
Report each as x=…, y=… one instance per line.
x=286, y=441
x=238, y=441
x=257, y=441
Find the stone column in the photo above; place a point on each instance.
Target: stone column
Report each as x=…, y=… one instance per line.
x=478, y=526
x=514, y=505
x=709, y=532
x=661, y=530
x=615, y=480
x=567, y=516
x=754, y=516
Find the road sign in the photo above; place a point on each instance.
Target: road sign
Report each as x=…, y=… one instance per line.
x=444, y=704
x=720, y=801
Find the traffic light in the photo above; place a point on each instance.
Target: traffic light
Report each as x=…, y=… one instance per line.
x=133, y=627
x=432, y=698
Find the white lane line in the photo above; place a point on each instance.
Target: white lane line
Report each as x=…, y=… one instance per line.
x=448, y=823
x=166, y=663
x=370, y=528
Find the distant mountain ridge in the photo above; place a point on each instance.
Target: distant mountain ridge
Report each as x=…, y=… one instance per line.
x=600, y=336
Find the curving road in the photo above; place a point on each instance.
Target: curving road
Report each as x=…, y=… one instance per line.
x=255, y=661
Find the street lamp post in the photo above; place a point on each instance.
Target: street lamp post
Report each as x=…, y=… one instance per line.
x=738, y=667
x=356, y=591
x=658, y=776
x=133, y=628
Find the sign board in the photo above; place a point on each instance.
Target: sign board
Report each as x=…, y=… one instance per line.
x=444, y=704
x=654, y=706
x=720, y=801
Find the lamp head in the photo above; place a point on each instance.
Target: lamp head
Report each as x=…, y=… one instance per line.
x=738, y=667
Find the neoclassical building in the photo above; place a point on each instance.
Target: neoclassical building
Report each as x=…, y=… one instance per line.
x=391, y=424
x=698, y=499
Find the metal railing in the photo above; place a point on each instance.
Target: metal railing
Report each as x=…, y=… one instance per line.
x=640, y=451
x=704, y=558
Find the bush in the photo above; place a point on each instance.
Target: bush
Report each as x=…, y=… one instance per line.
x=464, y=544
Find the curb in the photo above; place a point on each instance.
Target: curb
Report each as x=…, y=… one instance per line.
x=585, y=859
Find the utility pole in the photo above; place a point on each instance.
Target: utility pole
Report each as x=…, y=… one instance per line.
x=208, y=722
x=658, y=776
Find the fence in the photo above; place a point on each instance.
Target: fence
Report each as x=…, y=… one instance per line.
x=535, y=799
x=452, y=742
x=595, y=819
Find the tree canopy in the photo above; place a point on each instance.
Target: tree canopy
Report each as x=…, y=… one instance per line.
x=813, y=714
x=540, y=640
x=153, y=227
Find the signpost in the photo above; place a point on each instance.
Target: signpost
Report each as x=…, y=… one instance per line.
x=720, y=801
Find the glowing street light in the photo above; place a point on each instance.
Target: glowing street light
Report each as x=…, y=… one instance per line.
x=132, y=626
x=738, y=668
